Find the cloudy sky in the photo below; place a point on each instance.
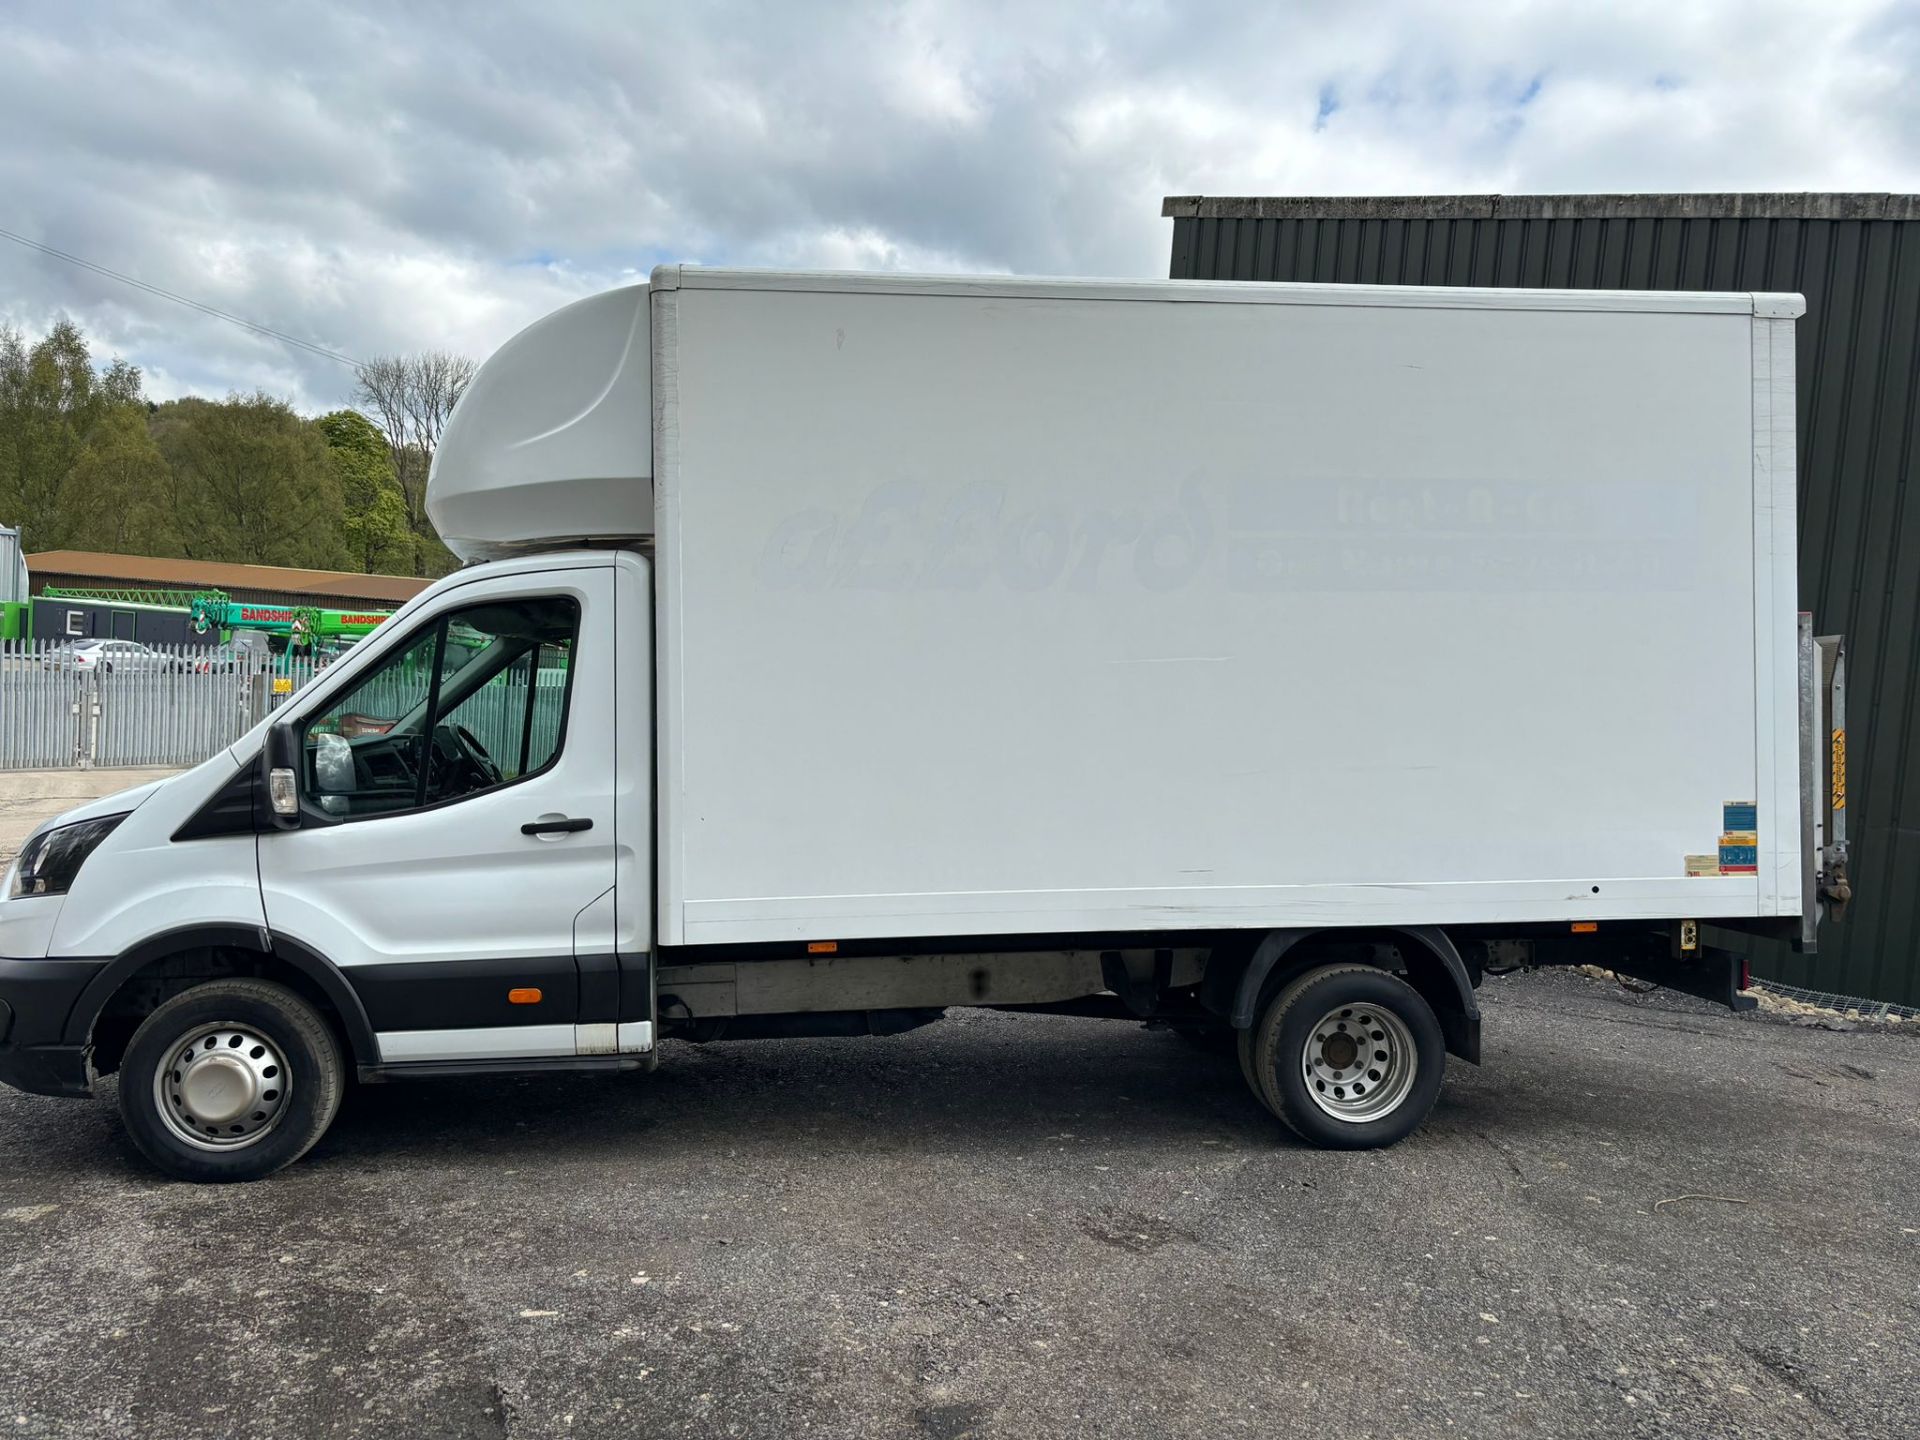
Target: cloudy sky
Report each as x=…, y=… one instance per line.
x=396, y=176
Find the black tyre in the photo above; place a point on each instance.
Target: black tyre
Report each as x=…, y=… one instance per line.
x=1349, y=1056
x=231, y=1080
x=1243, y=1047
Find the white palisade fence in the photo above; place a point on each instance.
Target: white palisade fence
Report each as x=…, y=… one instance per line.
x=164, y=705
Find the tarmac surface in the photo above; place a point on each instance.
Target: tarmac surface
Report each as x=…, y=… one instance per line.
x=27, y=797
x=1641, y=1217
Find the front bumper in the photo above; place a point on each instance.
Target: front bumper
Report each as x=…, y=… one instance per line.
x=36, y=999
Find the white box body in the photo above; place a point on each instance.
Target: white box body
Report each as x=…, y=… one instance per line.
x=1001, y=607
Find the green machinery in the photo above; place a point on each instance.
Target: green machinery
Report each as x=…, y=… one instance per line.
x=298, y=626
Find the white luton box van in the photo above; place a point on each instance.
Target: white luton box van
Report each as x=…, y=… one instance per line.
x=1263, y=662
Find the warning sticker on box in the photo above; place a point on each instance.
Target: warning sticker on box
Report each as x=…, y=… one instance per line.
x=1738, y=852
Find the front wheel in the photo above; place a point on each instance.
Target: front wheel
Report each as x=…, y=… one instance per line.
x=231, y=1080
x=1349, y=1056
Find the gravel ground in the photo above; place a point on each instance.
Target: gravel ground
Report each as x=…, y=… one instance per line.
x=1011, y=1226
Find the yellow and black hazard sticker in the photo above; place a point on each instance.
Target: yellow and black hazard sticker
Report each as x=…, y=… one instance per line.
x=1839, y=767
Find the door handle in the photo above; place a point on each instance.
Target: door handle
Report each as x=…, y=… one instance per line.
x=555, y=827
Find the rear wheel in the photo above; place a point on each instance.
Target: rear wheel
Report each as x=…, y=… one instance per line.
x=1349, y=1056
x=231, y=1080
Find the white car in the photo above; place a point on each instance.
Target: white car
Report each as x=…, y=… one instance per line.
x=109, y=655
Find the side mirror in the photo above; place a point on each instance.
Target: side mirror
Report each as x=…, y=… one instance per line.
x=280, y=774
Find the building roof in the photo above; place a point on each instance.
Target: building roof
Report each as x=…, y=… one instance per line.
x=1722, y=206
x=221, y=575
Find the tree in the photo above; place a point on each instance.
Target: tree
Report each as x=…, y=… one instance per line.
x=50, y=401
x=251, y=480
x=116, y=496
x=377, y=535
x=411, y=398
x=85, y=461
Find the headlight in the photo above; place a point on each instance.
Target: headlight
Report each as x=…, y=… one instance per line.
x=53, y=857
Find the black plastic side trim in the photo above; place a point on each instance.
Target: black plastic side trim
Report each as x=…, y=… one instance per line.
x=1254, y=978
x=332, y=981
x=230, y=810
x=115, y=973
x=58, y=1070
x=1459, y=1020
x=39, y=995
x=599, y=988
x=323, y=974
x=636, y=986
x=443, y=1069
x=467, y=994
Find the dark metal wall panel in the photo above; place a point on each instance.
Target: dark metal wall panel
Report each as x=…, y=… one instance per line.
x=1856, y=259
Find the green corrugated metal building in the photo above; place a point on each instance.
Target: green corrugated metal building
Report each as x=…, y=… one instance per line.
x=1856, y=259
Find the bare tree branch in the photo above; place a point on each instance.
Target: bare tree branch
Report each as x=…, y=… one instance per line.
x=411, y=398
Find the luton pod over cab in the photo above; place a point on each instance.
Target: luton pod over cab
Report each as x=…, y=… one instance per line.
x=1267, y=663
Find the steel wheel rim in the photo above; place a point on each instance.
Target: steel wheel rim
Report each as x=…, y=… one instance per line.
x=1359, y=1063
x=223, y=1087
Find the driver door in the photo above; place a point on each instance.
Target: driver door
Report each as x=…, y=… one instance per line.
x=456, y=818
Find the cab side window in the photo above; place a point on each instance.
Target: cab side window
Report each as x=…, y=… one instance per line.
x=475, y=701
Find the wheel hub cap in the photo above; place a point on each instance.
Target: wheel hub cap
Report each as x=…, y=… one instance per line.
x=223, y=1087
x=1359, y=1063
x=1341, y=1051
x=217, y=1087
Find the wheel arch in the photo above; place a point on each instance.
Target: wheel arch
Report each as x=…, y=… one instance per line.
x=246, y=950
x=1433, y=967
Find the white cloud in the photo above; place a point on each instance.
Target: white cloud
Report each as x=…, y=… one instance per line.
x=375, y=177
